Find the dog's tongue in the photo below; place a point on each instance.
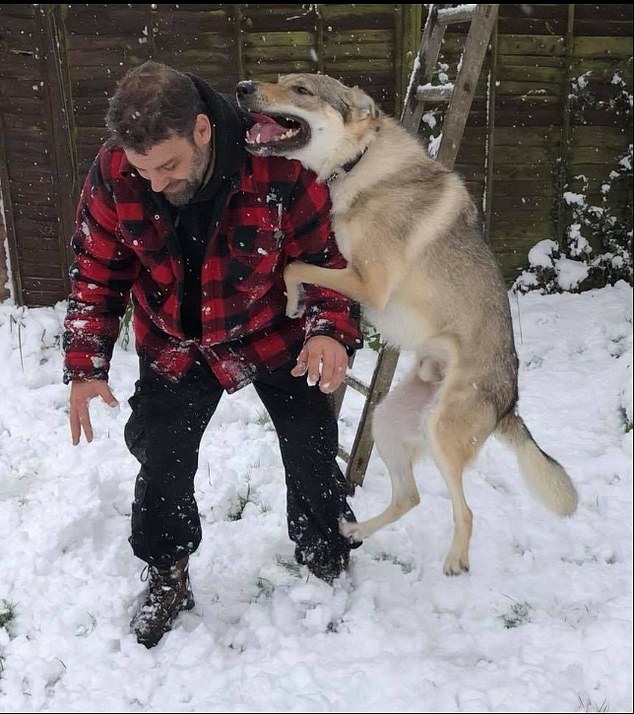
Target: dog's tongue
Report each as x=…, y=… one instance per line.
x=264, y=130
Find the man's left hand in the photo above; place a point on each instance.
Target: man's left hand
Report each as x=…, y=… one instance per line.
x=326, y=362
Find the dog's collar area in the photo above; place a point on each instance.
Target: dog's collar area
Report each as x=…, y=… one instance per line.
x=346, y=168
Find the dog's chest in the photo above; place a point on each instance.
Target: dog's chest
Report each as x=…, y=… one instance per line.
x=399, y=325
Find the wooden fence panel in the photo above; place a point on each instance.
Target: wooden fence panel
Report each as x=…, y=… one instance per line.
x=525, y=141
x=35, y=172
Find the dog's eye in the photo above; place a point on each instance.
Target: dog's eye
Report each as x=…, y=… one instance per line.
x=302, y=90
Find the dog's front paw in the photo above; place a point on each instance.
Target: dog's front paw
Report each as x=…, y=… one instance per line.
x=293, y=309
x=293, y=294
x=351, y=530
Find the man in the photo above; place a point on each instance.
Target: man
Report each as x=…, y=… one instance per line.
x=177, y=212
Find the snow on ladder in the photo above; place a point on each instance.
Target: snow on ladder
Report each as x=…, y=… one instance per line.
x=459, y=97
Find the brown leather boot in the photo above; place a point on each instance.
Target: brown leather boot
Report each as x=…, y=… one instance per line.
x=169, y=592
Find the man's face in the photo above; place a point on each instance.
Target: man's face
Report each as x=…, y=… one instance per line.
x=175, y=167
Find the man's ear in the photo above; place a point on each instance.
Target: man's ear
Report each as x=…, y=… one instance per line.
x=364, y=104
x=202, y=129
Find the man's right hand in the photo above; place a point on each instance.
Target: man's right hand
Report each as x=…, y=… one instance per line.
x=80, y=394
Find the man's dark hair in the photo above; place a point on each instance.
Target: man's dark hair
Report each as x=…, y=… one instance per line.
x=153, y=102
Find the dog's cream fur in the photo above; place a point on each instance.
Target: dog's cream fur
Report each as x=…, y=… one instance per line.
x=428, y=282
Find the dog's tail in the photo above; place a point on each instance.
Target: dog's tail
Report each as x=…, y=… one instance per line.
x=545, y=477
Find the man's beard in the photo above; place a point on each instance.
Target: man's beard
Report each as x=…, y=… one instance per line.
x=199, y=167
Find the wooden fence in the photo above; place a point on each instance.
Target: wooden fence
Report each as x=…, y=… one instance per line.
x=523, y=144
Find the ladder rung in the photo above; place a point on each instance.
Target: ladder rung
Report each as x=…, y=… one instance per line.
x=358, y=385
x=343, y=454
x=434, y=93
x=454, y=15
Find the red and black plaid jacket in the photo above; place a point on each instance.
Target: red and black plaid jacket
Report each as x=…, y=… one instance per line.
x=276, y=213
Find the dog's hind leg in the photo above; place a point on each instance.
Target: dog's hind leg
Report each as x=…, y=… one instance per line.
x=458, y=430
x=398, y=428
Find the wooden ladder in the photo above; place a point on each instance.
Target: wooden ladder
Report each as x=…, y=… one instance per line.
x=420, y=93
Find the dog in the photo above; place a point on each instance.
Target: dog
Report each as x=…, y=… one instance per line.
x=426, y=279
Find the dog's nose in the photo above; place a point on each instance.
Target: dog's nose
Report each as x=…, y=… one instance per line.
x=245, y=87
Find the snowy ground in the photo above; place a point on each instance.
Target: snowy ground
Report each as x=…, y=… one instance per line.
x=543, y=623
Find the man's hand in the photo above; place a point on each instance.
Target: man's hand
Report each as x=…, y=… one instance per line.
x=80, y=394
x=325, y=360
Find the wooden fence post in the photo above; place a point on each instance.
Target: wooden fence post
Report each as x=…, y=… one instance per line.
x=60, y=117
x=562, y=173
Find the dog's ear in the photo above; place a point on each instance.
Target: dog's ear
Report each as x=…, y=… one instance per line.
x=364, y=104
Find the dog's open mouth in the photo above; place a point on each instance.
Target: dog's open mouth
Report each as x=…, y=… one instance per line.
x=276, y=134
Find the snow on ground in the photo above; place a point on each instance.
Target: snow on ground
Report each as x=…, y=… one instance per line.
x=543, y=623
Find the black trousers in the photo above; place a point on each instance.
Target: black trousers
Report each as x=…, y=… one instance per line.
x=164, y=433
